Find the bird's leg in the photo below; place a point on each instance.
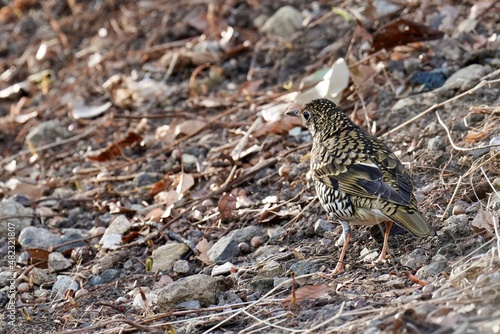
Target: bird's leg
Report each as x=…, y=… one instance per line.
x=383, y=254
x=345, y=237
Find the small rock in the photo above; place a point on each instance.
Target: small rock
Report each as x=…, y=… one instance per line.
x=144, y=179
x=276, y=233
x=271, y=269
x=57, y=262
x=224, y=269
x=415, y=259
x=37, y=237
x=458, y=210
x=46, y=133
x=228, y=298
x=244, y=248
x=107, y=276
x=112, y=237
x=457, y=226
x=23, y=287
x=266, y=251
x=227, y=246
x=6, y=278
x=305, y=267
x=428, y=288
x=15, y=217
x=164, y=257
x=321, y=226
x=256, y=242
x=181, y=267
x=283, y=23
x=435, y=144
x=432, y=269
x=203, y=288
x=190, y=304
x=62, y=284
x=80, y=293
x=465, y=78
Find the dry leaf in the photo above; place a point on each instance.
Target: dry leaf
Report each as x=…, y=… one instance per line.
x=309, y=292
x=39, y=257
x=483, y=224
x=473, y=136
x=115, y=149
x=203, y=247
x=186, y=181
x=189, y=126
x=227, y=203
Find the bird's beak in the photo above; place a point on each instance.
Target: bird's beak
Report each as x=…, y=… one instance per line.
x=293, y=112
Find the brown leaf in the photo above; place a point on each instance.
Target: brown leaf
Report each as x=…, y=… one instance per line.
x=227, y=203
x=39, y=257
x=115, y=149
x=203, y=247
x=473, y=136
x=309, y=292
x=483, y=224
x=281, y=126
x=186, y=181
x=402, y=31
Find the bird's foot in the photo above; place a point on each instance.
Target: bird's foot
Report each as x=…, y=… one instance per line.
x=330, y=274
x=381, y=259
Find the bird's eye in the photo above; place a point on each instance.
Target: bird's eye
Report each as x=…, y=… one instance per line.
x=306, y=115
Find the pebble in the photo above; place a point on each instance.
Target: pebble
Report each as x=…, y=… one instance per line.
x=227, y=246
x=57, y=262
x=465, y=78
x=164, y=257
x=415, y=259
x=19, y=216
x=80, y=293
x=23, y=287
x=107, y=276
x=200, y=287
x=256, y=242
x=283, y=23
x=224, y=269
x=181, y=267
x=322, y=226
x=244, y=248
x=37, y=237
x=46, y=133
x=62, y=284
x=276, y=234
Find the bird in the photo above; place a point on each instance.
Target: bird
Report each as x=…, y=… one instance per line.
x=357, y=178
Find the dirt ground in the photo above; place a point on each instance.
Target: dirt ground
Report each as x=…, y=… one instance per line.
x=167, y=117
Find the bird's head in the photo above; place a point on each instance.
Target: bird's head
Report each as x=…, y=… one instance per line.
x=321, y=116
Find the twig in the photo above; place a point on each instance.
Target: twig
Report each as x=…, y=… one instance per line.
x=452, y=198
x=456, y=147
x=438, y=105
x=495, y=222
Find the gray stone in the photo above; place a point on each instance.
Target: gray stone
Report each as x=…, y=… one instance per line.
x=108, y=275
x=5, y=278
x=457, y=226
x=276, y=233
x=223, y=269
x=46, y=133
x=271, y=269
x=181, y=267
x=227, y=246
x=203, y=288
x=305, y=267
x=21, y=217
x=37, y=237
x=321, y=226
x=164, y=257
x=190, y=304
x=144, y=179
x=438, y=264
x=466, y=78
x=57, y=262
x=284, y=23
x=41, y=276
x=266, y=251
x=415, y=259
x=435, y=144
x=62, y=284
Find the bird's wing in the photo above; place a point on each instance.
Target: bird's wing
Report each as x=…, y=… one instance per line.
x=380, y=177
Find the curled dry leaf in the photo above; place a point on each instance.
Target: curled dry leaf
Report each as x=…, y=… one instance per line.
x=203, y=247
x=483, y=224
x=115, y=149
x=186, y=181
x=227, y=203
x=308, y=292
x=189, y=126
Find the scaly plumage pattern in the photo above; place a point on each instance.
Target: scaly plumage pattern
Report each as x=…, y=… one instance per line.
x=358, y=179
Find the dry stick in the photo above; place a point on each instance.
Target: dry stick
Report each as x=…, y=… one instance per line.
x=267, y=323
x=452, y=198
x=51, y=145
x=327, y=321
x=438, y=105
x=495, y=223
x=456, y=147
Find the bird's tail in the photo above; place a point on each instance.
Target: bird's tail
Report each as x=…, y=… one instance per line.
x=413, y=221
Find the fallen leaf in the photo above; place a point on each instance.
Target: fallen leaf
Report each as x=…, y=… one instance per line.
x=309, y=292
x=115, y=149
x=189, y=126
x=203, y=247
x=483, y=224
x=226, y=205
x=186, y=181
x=473, y=136
x=402, y=31
x=39, y=257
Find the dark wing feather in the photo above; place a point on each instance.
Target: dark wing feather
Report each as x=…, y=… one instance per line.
x=385, y=179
